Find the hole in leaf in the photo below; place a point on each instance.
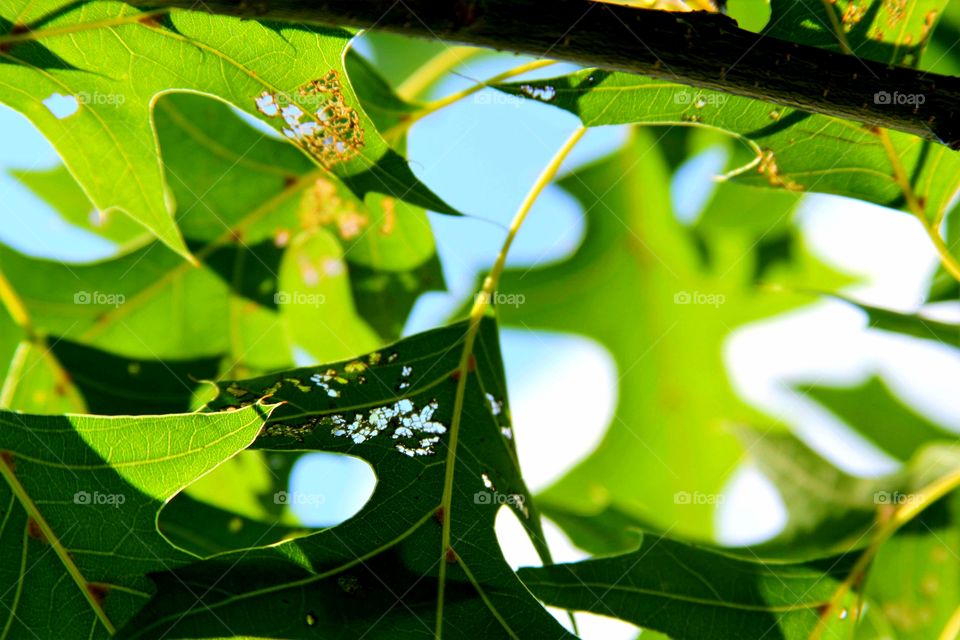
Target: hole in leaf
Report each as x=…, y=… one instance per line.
x=61, y=106
x=341, y=484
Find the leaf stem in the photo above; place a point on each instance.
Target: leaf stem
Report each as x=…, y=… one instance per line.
x=14, y=305
x=949, y=262
x=952, y=629
x=905, y=513
x=431, y=107
x=28, y=35
x=33, y=513
x=837, y=28
x=477, y=312
x=433, y=69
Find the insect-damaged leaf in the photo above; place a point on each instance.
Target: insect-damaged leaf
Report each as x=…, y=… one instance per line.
x=890, y=32
x=106, y=63
x=78, y=506
x=376, y=575
x=789, y=149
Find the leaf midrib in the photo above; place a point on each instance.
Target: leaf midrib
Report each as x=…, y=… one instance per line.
x=34, y=514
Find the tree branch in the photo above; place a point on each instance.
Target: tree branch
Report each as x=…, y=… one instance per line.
x=699, y=49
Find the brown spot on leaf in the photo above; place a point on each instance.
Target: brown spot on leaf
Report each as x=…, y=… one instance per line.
x=150, y=21
x=98, y=591
x=34, y=530
x=769, y=168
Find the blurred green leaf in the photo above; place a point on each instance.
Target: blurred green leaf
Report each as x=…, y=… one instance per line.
x=662, y=298
x=880, y=416
x=60, y=190
x=915, y=579
x=909, y=324
x=244, y=216
x=205, y=530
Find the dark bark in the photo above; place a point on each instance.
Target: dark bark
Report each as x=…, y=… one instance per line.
x=699, y=49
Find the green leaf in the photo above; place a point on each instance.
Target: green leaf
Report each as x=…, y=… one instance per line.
x=911, y=587
x=392, y=409
x=608, y=532
x=782, y=148
x=915, y=578
x=80, y=496
x=909, y=324
x=116, y=61
x=827, y=508
x=245, y=217
x=890, y=32
x=944, y=286
x=692, y=592
x=662, y=298
x=206, y=530
x=880, y=416
x=113, y=385
x=61, y=191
